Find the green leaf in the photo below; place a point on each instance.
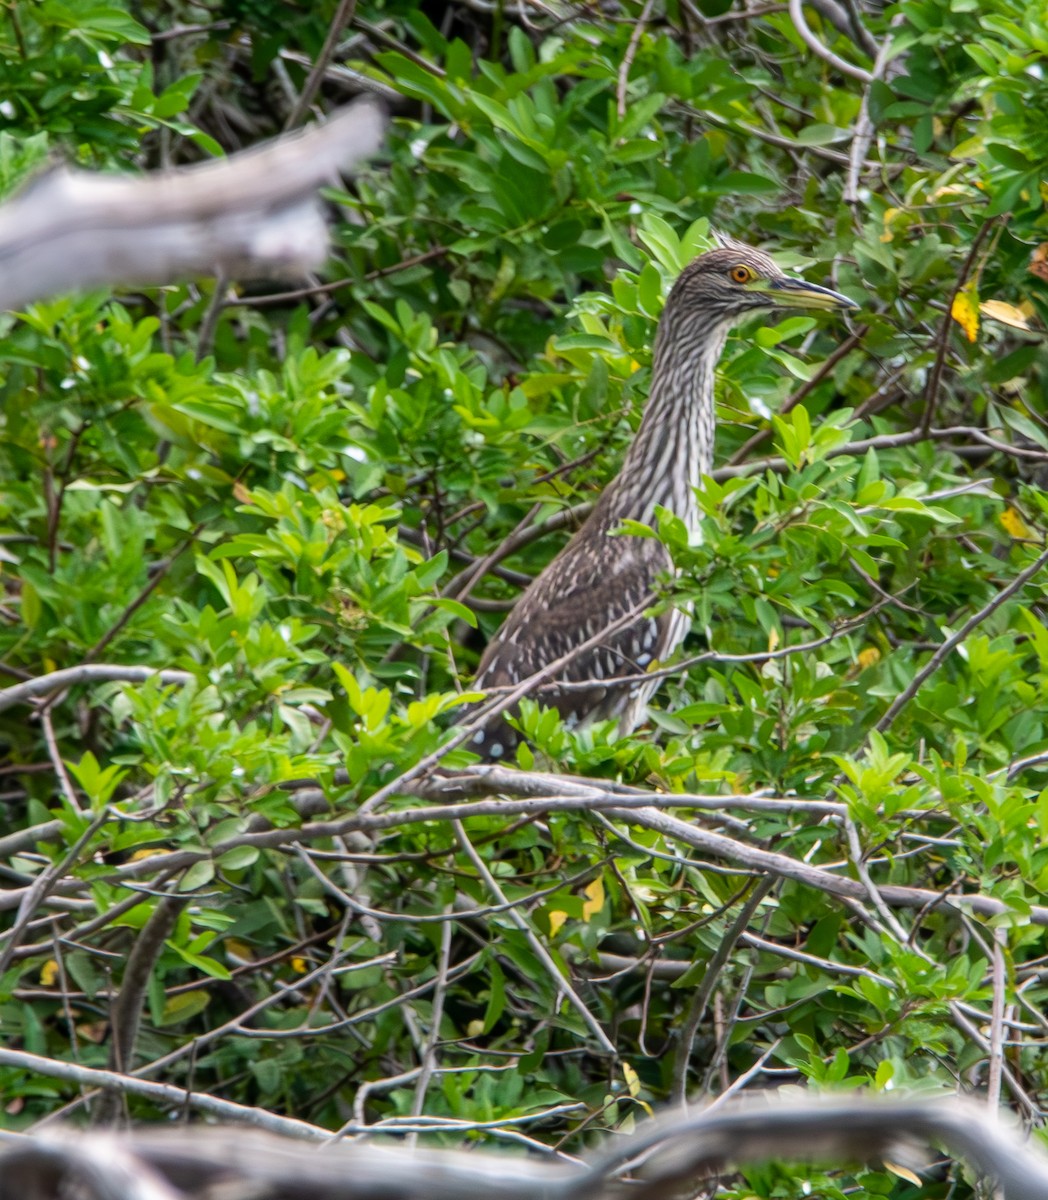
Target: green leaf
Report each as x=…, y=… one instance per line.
x=820, y=134
x=99, y=784
x=202, y=963
x=238, y=858
x=649, y=290
x=198, y=876
x=183, y=1007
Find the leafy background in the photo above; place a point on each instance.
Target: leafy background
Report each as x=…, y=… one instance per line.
x=311, y=503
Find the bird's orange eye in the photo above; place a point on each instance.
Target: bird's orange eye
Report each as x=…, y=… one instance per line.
x=741, y=274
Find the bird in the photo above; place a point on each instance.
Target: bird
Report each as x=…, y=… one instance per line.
x=594, y=593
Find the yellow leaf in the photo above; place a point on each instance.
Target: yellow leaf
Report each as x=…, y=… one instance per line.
x=903, y=1173
x=868, y=657
x=298, y=965
x=595, y=902
x=238, y=950
x=49, y=973
x=889, y=215
x=632, y=1080
x=773, y=640
x=965, y=312
x=556, y=920
x=241, y=493
x=1007, y=314
x=633, y=1086
x=950, y=189
x=1013, y=524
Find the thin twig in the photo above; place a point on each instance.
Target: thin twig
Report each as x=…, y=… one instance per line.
x=802, y=393
x=764, y=135
x=993, y=1081
x=236, y=1024
x=967, y=1027
x=644, y=809
x=322, y=289
x=852, y=25
x=61, y=773
x=156, y=578
x=955, y=639
x=864, y=127
x=887, y=441
x=42, y=886
x=628, y=57
x=537, y=948
x=343, y=15
x=676, y=669
x=162, y=1093
x=209, y=325
x=859, y=863
x=931, y=391
x=436, y=1015
x=462, y=584
x=699, y=1001
x=742, y=1080
x=125, y=1013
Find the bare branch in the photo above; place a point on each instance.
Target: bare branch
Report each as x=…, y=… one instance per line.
x=160, y=1093
x=537, y=948
x=864, y=127
x=46, y=685
x=823, y=52
x=701, y=997
x=646, y=809
x=627, y=59
x=125, y=1013
x=343, y=16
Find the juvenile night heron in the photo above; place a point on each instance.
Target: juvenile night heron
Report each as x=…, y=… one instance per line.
x=598, y=580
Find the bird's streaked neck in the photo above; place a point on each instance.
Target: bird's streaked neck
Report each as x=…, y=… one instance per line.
x=674, y=444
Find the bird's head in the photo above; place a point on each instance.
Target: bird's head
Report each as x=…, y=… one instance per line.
x=735, y=279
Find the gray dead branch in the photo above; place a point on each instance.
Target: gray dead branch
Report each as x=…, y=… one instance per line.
x=194, y=1162
x=254, y=214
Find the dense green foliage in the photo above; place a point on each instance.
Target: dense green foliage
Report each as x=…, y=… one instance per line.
x=300, y=501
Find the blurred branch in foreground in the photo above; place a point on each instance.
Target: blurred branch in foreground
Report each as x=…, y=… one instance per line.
x=196, y=1161
x=254, y=213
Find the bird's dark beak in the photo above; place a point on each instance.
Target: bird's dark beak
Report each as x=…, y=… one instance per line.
x=799, y=293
